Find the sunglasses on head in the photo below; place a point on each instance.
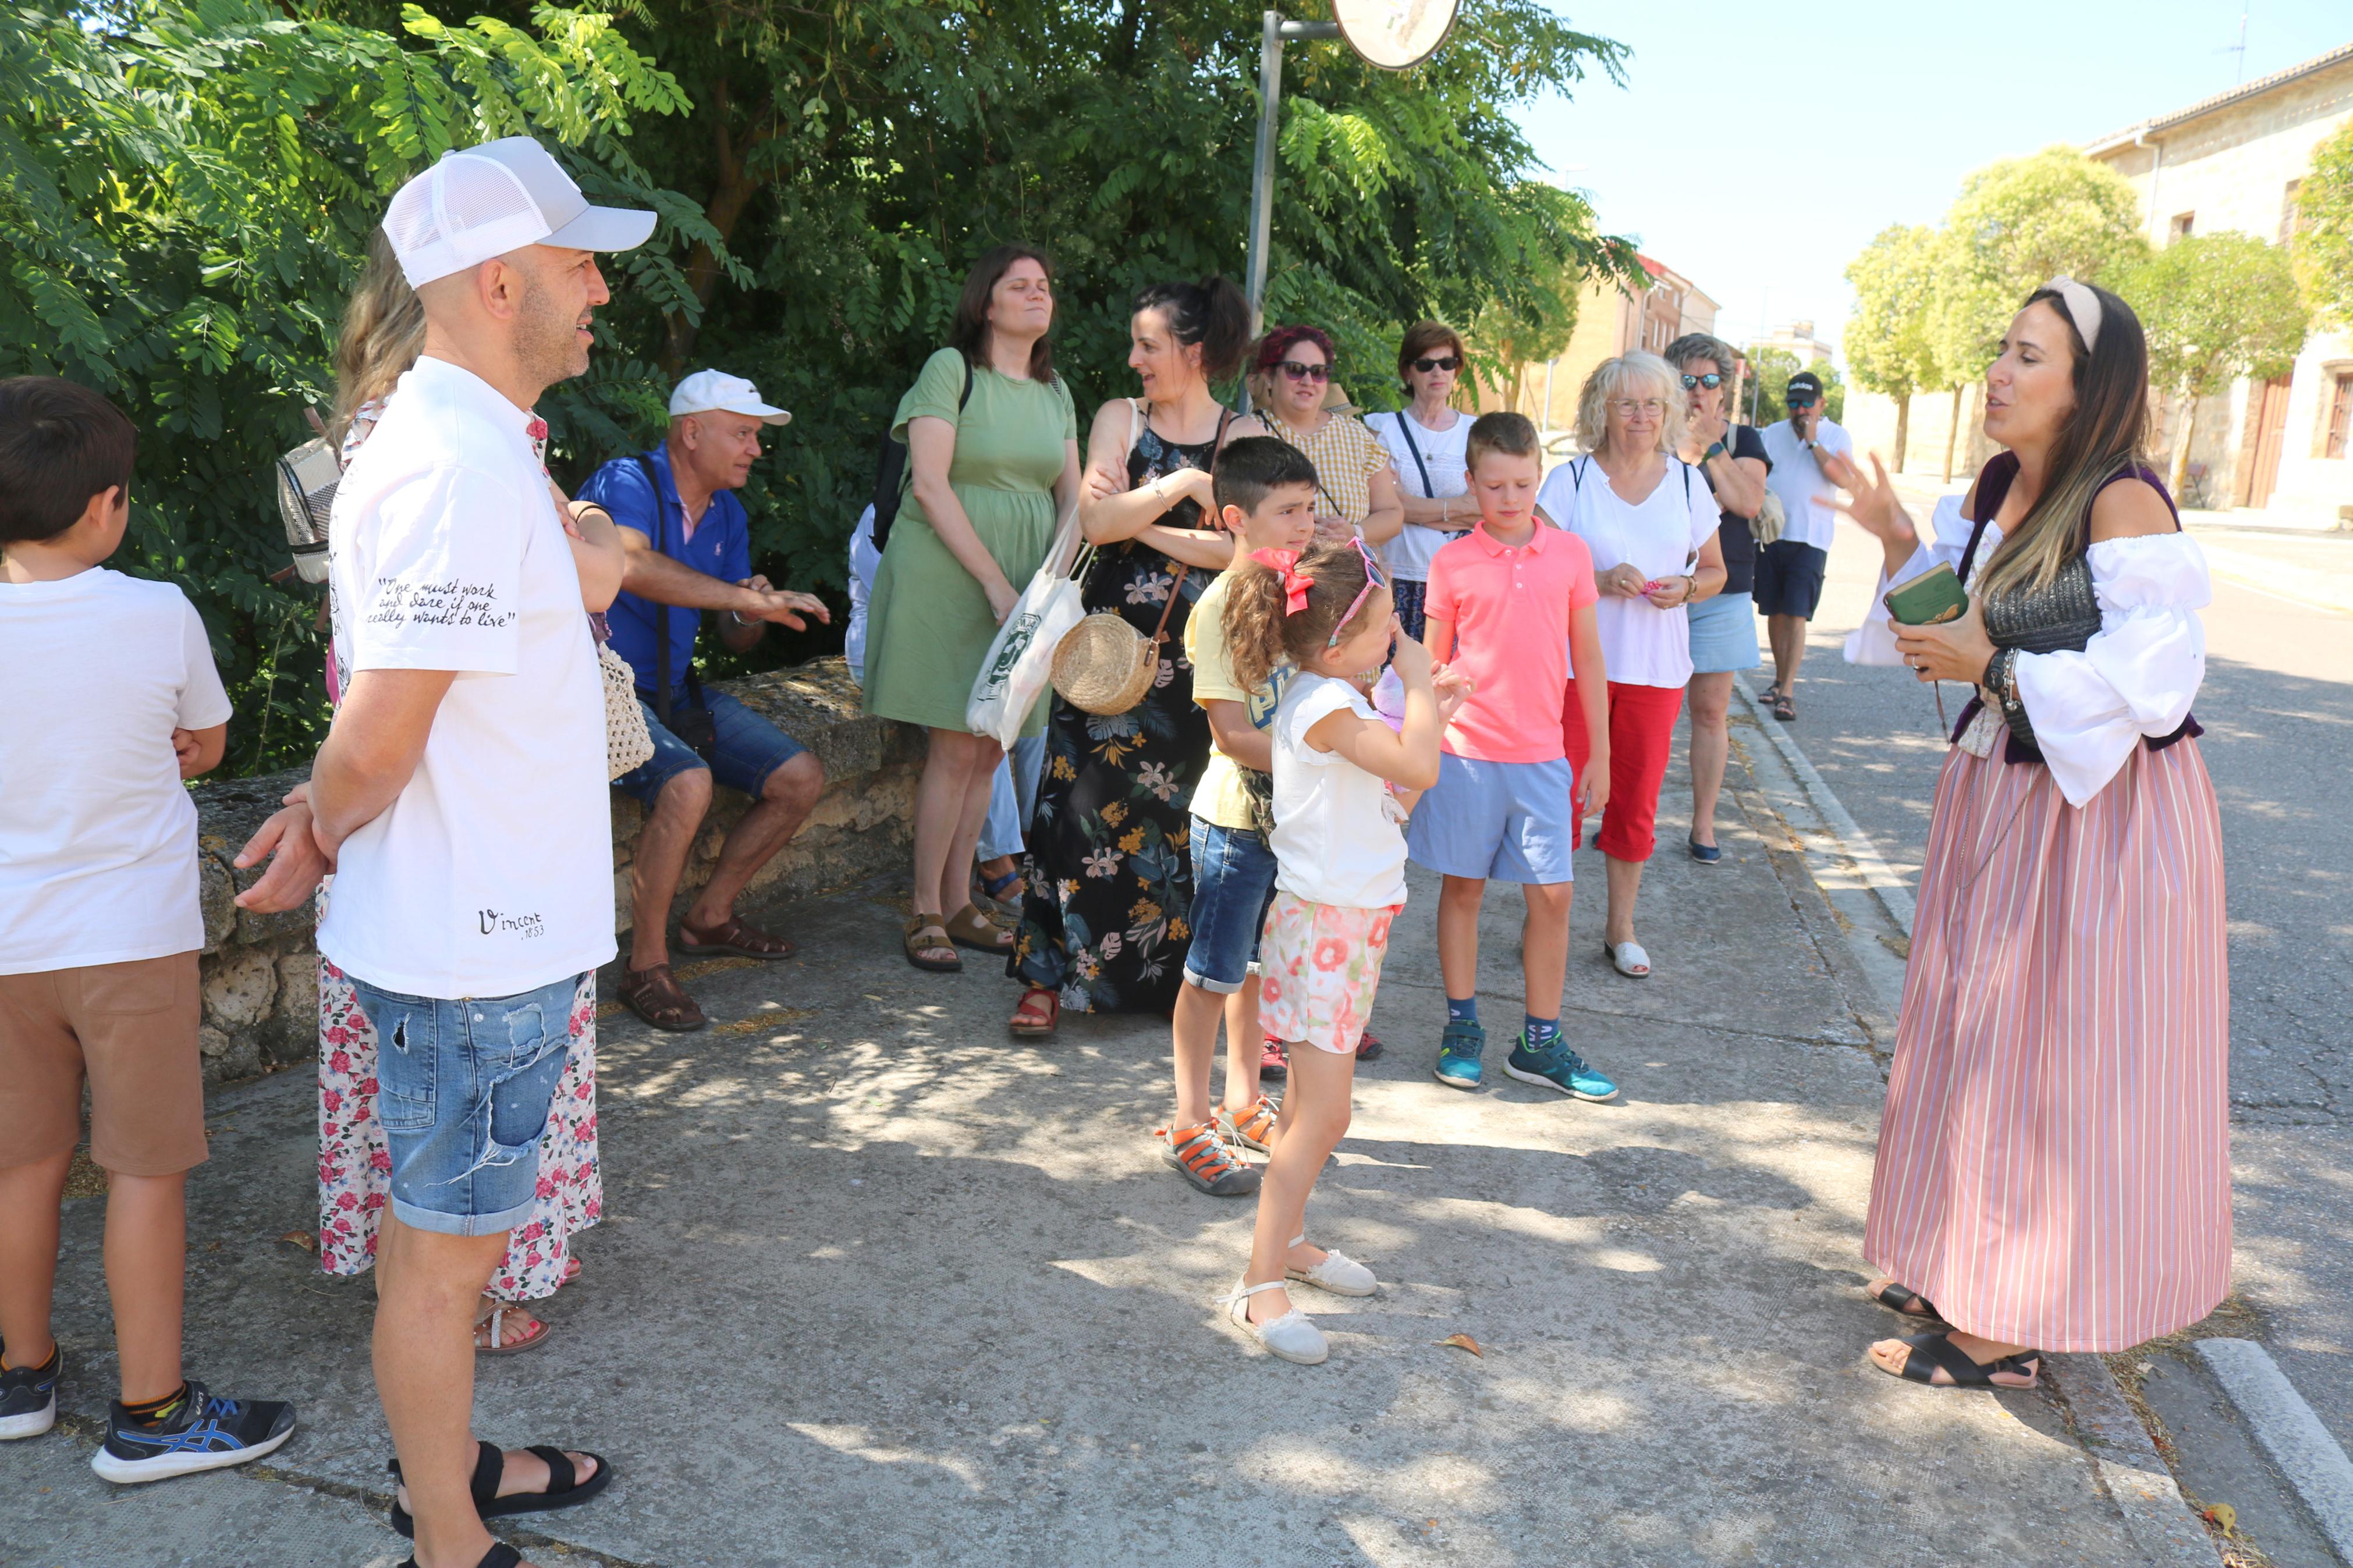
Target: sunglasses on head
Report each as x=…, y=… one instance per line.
x=1299, y=372
x=1711, y=381
x=1444, y=361
x=1374, y=578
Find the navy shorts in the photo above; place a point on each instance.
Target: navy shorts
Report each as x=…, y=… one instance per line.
x=749, y=749
x=1790, y=578
x=1233, y=882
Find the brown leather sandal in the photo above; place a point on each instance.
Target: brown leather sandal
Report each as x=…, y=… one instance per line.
x=731, y=938
x=495, y=1335
x=655, y=995
x=923, y=936
x=969, y=928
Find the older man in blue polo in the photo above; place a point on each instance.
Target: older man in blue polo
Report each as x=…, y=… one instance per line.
x=690, y=550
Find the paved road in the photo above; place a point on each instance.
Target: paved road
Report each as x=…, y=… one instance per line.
x=2278, y=710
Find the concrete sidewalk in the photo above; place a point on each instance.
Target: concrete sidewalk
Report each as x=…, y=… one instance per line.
x=879, y=1284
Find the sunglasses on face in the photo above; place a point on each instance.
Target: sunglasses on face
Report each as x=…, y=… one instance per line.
x=1374, y=578
x=1298, y=371
x=1446, y=362
x=1800, y=402
x=1711, y=381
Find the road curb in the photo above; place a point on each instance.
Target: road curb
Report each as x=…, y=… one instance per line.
x=1853, y=842
x=2290, y=1433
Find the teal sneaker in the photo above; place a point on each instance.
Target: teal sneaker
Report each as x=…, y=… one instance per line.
x=1558, y=1068
x=1459, y=1049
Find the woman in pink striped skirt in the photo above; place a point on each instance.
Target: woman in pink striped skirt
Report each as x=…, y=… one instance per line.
x=2053, y=1169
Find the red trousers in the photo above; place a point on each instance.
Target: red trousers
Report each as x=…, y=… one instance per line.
x=1641, y=732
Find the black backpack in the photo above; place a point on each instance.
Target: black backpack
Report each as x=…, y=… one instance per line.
x=890, y=472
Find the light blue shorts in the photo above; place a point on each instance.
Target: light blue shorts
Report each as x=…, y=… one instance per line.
x=1503, y=822
x=1724, y=634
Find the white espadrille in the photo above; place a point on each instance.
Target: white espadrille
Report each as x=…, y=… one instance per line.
x=1293, y=1336
x=1338, y=1273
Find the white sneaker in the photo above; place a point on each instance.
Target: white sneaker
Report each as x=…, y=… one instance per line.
x=1293, y=1336
x=1338, y=1273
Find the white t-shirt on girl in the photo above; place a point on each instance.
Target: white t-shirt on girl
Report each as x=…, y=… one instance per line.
x=1641, y=644
x=1408, y=555
x=1335, y=842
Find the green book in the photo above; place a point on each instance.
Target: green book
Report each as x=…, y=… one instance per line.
x=1933, y=596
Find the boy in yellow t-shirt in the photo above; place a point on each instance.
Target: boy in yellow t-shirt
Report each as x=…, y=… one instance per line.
x=1265, y=492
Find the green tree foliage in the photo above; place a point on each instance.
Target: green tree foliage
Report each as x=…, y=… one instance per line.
x=2216, y=307
x=187, y=189
x=191, y=181
x=2323, y=246
x=1770, y=369
x=1887, y=342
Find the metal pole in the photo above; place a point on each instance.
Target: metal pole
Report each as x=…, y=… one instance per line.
x=1261, y=218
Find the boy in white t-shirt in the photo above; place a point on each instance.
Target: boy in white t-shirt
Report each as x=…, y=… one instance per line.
x=116, y=701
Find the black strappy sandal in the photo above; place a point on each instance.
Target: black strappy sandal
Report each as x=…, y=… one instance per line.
x=500, y=1555
x=1909, y=1302
x=1966, y=1372
x=565, y=1488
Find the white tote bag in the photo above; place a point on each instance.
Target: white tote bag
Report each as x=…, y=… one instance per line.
x=1020, y=662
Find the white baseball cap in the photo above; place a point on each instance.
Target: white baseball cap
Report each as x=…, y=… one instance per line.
x=714, y=392
x=484, y=200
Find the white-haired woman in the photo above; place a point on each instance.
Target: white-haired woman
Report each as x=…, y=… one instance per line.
x=1650, y=520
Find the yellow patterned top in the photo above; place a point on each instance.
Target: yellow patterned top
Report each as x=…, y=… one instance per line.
x=1346, y=455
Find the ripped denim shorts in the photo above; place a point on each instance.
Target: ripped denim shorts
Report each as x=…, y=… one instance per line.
x=463, y=1089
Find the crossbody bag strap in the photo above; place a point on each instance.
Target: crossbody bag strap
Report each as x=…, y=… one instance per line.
x=1405, y=428
x=661, y=611
x=1175, y=587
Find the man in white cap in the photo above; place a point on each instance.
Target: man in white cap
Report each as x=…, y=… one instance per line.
x=461, y=792
x=690, y=550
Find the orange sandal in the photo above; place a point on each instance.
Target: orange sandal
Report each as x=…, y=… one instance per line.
x=1253, y=1129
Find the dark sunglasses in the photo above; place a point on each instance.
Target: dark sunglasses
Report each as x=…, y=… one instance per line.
x=1711, y=381
x=1448, y=362
x=1298, y=371
x=1801, y=401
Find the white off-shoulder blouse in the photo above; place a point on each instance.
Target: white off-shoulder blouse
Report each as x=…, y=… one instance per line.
x=2137, y=677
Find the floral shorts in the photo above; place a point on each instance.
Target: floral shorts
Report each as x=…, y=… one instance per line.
x=1321, y=965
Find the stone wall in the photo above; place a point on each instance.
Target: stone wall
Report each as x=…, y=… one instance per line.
x=260, y=972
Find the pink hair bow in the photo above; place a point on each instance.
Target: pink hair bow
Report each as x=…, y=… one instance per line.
x=1284, y=563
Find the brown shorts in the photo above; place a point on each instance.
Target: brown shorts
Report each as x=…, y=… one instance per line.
x=132, y=1029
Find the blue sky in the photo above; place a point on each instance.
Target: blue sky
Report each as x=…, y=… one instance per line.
x=1756, y=147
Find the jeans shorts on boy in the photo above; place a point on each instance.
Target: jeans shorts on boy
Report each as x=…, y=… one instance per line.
x=1233, y=881
x=746, y=749
x=463, y=1090
x=1503, y=822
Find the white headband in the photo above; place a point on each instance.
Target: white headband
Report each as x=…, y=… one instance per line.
x=2082, y=305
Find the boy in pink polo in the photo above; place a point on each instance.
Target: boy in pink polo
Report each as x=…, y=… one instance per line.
x=1511, y=606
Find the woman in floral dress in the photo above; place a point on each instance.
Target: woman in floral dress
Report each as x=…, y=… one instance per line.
x=1110, y=874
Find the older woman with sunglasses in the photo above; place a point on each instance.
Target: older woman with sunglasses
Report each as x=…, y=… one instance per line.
x=1426, y=442
x=1649, y=521
x=1290, y=376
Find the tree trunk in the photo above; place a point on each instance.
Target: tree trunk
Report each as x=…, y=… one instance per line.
x=736, y=187
x=1903, y=428
x=1953, y=436
x=2181, y=448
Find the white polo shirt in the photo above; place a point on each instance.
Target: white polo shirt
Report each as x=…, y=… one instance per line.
x=1805, y=492
x=493, y=872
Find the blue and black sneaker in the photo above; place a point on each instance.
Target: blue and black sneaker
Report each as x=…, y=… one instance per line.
x=1559, y=1067
x=28, y=1396
x=1459, y=1049
x=199, y=1431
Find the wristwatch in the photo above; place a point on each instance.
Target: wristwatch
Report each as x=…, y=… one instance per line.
x=1715, y=449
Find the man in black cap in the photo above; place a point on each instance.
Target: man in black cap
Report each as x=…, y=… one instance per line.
x=1811, y=460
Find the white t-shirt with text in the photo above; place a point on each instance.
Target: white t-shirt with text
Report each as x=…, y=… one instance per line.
x=98, y=835
x=1408, y=554
x=1805, y=490
x=1334, y=840
x=492, y=873
x=1641, y=644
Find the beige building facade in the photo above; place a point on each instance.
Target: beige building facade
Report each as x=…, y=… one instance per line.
x=1611, y=321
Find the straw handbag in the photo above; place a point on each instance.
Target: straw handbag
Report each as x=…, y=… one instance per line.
x=1104, y=666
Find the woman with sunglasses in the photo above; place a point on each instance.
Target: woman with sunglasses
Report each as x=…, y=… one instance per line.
x=1290, y=377
x=1732, y=459
x=1650, y=524
x=1425, y=442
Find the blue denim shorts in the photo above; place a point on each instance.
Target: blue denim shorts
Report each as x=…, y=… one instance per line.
x=749, y=749
x=1233, y=882
x=1505, y=822
x=463, y=1090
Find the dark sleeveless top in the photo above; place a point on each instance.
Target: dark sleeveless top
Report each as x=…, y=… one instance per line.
x=2061, y=616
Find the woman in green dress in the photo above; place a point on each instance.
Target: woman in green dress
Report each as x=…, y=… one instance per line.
x=993, y=453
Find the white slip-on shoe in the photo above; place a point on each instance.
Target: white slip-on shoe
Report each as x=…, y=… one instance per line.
x=1338, y=1273
x=1293, y=1336
x=1629, y=958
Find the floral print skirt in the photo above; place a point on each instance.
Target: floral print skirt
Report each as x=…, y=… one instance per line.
x=355, y=1168
x=1321, y=965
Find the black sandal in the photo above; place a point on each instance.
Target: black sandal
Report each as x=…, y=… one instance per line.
x=1964, y=1370
x=500, y=1555
x=565, y=1488
x=1909, y=1302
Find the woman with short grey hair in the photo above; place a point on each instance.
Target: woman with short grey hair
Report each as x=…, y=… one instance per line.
x=1732, y=459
